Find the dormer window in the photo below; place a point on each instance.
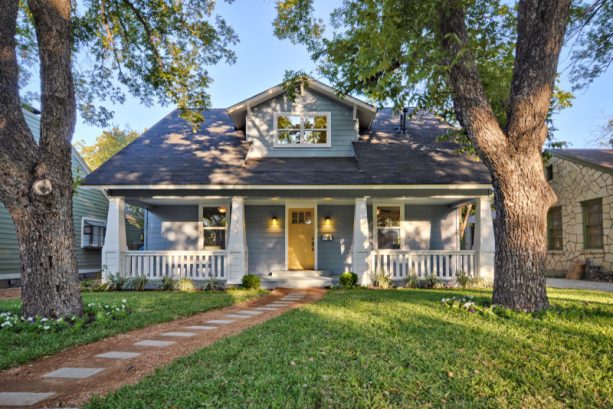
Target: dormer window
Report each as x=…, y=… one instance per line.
x=309, y=129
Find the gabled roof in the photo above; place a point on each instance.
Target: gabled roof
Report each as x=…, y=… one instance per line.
x=365, y=112
x=170, y=154
x=601, y=159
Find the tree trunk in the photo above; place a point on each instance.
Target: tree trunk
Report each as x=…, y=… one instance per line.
x=48, y=264
x=36, y=176
x=522, y=200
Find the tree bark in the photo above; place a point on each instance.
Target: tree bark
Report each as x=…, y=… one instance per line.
x=513, y=156
x=36, y=178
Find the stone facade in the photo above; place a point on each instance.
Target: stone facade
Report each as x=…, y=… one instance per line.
x=573, y=183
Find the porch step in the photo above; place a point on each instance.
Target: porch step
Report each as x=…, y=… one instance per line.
x=269, y=282
x=298, y=273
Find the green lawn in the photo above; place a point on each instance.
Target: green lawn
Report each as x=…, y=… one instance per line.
x=150, y=307
x=398, y=348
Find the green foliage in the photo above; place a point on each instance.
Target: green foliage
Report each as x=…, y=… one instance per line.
x=398, y=349
x=430, y=281
x=462, y=279
x=251, y=281
x=412, y=280
x=156, y=51
x=349, y=279
x=380, y=280
x=115, y=282
x=186, y=285
x=93, y=286
x=213, y=284
x=135, y=284
x=168, y=283
x=107, y=144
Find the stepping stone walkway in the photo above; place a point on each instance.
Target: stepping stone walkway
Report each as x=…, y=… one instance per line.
x=153, y=343
x=118, y=355
x=62, y=394
x=22, y=398
x=73, y=373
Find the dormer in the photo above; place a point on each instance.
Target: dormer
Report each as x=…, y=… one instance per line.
x=317, y=123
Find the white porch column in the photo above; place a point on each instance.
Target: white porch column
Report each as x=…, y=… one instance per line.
x=115, y=238
x=361, y=243
x=484, y=238
x=237, y=242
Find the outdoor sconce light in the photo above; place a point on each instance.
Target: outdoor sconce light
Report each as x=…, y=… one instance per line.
x=327, y=221
x=275, y=221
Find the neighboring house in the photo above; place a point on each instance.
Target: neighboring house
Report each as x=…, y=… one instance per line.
x=580, y=224
x=90, y=208
x=296, y=190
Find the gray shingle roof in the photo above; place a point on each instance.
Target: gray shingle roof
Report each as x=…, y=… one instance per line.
x=170, y=153
x=602, y=158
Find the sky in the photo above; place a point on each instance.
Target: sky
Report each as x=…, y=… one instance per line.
x=262, y=59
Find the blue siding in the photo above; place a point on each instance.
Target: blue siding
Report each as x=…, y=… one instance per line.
x=265, y=243
x=172, y=228
x=431, y=227
x=335, y=255
x=260, y=126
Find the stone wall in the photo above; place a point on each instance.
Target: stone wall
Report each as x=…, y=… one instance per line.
x=574, y=183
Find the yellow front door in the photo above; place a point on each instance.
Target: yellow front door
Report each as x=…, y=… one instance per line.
x=301, y=239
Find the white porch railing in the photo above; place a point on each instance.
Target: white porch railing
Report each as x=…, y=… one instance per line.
x=444, y=264
x=176, y=264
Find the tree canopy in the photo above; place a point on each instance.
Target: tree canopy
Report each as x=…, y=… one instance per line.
x=107, y=144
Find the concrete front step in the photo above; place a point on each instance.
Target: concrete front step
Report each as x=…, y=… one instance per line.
x=283, y=274
x=308, y=282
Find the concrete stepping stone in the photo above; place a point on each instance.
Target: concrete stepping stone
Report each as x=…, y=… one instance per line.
x=236, y=316
x=249, y=312
x=267, y=308
x=200, y=327
x=178, y=334
x=274, y=306
x=118, y=355
x=73, y=373
x=220, y=322
x=23, y=398
x=154, y=343
x=282, y=303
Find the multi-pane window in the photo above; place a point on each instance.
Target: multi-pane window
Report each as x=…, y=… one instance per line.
x=301, y=217
x=592, y=224
x=302, y=130
x=92, y=234
x=388, y=227
x=214, y=227
x=554, y=228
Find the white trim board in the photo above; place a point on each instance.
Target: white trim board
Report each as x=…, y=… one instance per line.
x=467, y=186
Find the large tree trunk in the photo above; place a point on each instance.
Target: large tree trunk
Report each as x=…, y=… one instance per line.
x=36, y=177
x=513, y=155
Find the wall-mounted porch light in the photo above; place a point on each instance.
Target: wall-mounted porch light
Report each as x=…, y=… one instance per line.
x=275, y=221
x=327, y=221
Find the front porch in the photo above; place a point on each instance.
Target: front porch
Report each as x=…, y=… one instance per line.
x=224, y=238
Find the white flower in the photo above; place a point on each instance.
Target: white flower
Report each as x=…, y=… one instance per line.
x=6, y=324
x=124, y=301
x=46, y=327
x=43, y=320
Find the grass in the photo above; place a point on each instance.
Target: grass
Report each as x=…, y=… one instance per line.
x=397, y=348
x=149, y=307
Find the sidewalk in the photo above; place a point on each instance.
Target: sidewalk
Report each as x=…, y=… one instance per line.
x=579, y=284
x=71, y=377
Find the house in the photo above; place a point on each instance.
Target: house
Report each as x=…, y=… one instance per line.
x=580, y=224
x=90, y=208
x=296, y=191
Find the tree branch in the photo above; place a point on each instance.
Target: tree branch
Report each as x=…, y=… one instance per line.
x=18, y=148
x=469, y=96
x=147, y=29
x=540, y=27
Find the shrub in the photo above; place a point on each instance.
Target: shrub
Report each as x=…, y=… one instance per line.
x=135, y=284
x=462, y=279
x=430, y=281
x=186, y=285
x=349, y=279
x=213, y=284
x=251, y=281
x=88, y=285
x=412, y=280
x=116, y=282
x=168, y=283
x=380, y=280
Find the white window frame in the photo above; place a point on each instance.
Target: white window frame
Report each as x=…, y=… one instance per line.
x=375, y=228
x=302, y=143
x=93, y=219
x=201, y=227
